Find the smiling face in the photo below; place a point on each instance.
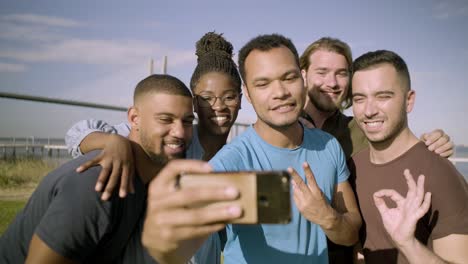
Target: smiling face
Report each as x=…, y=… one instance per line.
x=164, y=125
x=274, y=87
x=381, y=101
x=216, y=119
x=326, y=79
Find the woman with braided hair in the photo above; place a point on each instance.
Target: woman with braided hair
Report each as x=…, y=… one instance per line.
x=216, y=86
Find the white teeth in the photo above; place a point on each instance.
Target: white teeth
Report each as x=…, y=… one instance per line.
x=374, y=124
x=174, y=146
x=283, y=107
x=219, y=118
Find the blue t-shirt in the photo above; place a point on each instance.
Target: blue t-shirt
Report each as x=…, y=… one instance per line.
x=299, y=241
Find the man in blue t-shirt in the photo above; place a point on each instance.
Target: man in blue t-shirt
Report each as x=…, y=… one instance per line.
x=324, y=204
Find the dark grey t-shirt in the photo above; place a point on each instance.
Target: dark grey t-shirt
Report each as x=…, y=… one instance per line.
x=69, y=216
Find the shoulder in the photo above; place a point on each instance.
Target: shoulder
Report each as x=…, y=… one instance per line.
x=242, y=142
x=321, y=140
x=361, y=156
x=432, y=162
x=236, y=152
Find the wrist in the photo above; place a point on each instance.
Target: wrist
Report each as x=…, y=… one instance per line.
x=407, y=245
x=330, y=220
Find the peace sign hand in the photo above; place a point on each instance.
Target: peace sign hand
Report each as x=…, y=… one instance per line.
x=310, y=200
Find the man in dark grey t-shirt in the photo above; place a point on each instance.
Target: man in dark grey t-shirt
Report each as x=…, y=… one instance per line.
x=65, y=221
x=68, y=215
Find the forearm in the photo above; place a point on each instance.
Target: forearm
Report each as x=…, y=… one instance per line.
x=416, y=253
x=83, y=128
x=342, y=229
x=180, y=254
x=95, y=140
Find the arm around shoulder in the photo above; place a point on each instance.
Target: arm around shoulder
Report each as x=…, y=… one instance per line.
x=80, y=130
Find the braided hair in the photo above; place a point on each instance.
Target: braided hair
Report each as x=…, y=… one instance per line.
x=214, y=54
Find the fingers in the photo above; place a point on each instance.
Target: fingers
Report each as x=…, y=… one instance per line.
x=88, y=164
x=192, y=197
x=392, y=194
x=380, y=204
x=124, y=181
x=190, y=210
x=297, y=182
x=199, y=216
x=431, y=137
x=425, y=205
x=112, y=181
x=311, y=182
x=419, y=191
x=411, y=184
x=437, y=139
x=445, y=149
x=447, y=154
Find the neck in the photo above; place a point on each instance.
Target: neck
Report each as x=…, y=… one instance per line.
x=145, y=168
x=383, y=152
x=211, y=143
x=282, y=137
x=318, y=116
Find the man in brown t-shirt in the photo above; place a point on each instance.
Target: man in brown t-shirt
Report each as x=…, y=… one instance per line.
x=430, y=228
x=326, y=66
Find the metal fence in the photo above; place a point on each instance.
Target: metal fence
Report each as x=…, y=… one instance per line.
x=55, y=147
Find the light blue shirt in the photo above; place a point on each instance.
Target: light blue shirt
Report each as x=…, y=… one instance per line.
x=299, y=241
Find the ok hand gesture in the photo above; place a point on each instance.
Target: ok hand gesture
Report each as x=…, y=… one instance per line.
x=400, y=222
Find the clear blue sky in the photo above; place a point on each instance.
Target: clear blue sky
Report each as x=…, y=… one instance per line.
x=98, y=50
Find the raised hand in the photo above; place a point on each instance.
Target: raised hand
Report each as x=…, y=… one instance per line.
x=400, y=222
x=116, y=160
x=309, y=199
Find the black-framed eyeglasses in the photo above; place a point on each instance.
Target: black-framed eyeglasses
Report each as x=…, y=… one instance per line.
x=210, y=100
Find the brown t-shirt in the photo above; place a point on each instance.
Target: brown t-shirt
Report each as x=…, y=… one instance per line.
x=449, y=204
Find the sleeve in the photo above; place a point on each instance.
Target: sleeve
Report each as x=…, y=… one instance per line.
x=342, y=170
x=76, y=220
x=81, y=129
x=449, y=199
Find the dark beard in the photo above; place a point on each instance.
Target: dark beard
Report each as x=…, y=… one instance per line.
x=321, y=106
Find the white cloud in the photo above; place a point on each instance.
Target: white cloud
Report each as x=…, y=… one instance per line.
x=98, y=52
x=27, y=33
x=36, y=38
x=445, y=9
x=12, y=67
x=41, y=20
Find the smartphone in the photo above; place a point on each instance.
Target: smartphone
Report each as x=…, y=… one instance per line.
x=264, y=195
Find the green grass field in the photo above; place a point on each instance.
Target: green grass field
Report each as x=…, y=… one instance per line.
x=8, y=211
x=18, y=178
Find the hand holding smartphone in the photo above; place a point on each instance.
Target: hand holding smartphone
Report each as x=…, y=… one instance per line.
x=264, y=195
